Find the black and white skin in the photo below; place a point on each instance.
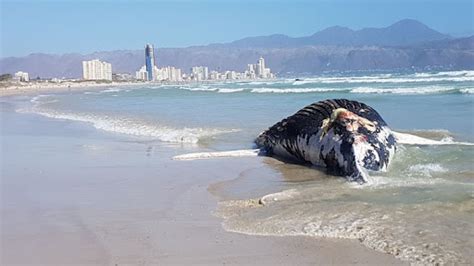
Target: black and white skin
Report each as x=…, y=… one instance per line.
x=346, y=137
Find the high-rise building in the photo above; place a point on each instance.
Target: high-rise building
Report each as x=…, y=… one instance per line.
x=250, y=72
x=169, y=73
x=214, y=75
x=142, y=73
x=200, y=73
x=149, y=61
x=231, y=75
x=259, y=70
x=261, y=67
x=96, y=70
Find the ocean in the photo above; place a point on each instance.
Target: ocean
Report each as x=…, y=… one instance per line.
x=421, y=210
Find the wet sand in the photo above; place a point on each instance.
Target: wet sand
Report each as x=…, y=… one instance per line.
x=33, y=88
x=75, y=195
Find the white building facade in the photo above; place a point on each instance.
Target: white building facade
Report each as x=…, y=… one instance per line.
x=200, y=73
x=168, y=73
x=96, y=70
x=22, y=76
x=258, y=70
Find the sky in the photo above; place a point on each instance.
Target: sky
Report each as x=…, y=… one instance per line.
x=68, y=26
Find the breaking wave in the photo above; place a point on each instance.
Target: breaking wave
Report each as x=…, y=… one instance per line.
x=413, y=90
x=295, y=90
x=229, y=90
x=43, y=99
x=384, y=79
x=130, y=126
x=467, y=90
x=356, y=90
x=466, y=73
x=109, y=90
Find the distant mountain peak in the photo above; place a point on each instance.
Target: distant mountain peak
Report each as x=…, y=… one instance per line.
x=337, y=28
x=401, y=33
x=408, y=22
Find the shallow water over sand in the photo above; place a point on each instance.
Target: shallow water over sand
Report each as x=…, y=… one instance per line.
x=415, y=219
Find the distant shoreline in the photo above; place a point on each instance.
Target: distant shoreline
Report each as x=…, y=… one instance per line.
x=28, y=88
x=34, y=88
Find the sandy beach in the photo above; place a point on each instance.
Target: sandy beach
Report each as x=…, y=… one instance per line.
x=32, y=88
x=75, y=195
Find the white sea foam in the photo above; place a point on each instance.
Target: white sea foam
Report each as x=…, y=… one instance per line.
x=210, y=155
x=468, y=73
x=467, y=90
x=43, y=99
x=427, y=169
x=294, y=90
x=263, y=82
x=412, y=90
x=135, y=127
x=377, y=181
x=379, y=227
x=111, y=90
x=202, y=88
x=404, y=138
x=224, y=90
x=382, y=79
x=339, y=212
x=279, y=196
x=358, y=90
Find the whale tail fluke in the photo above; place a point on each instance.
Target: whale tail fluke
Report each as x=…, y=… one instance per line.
x=219, y=154
x=409, y=139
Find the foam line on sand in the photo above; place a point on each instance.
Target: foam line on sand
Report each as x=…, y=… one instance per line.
x=210, y=155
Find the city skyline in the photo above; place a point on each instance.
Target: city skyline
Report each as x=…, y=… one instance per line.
x=49, y=23
x=150, y=72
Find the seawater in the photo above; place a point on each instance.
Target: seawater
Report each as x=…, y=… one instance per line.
x=421, y=210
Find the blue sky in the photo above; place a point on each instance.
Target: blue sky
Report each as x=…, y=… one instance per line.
x=88, y=26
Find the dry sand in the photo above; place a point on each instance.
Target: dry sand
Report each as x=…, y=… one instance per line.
x=73, y=195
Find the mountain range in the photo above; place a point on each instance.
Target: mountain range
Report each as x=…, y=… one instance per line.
x=406, y=44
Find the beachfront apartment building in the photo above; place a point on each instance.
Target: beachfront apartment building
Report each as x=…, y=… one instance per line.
x=168, y=73
x=258, y=70
x=22, y=76
x=200, y=73
x=142, y=73
x=253, y=71
x=96, y=70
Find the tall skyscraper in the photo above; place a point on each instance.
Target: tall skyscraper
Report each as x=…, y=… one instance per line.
x=261, y=67
x=149, y=61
